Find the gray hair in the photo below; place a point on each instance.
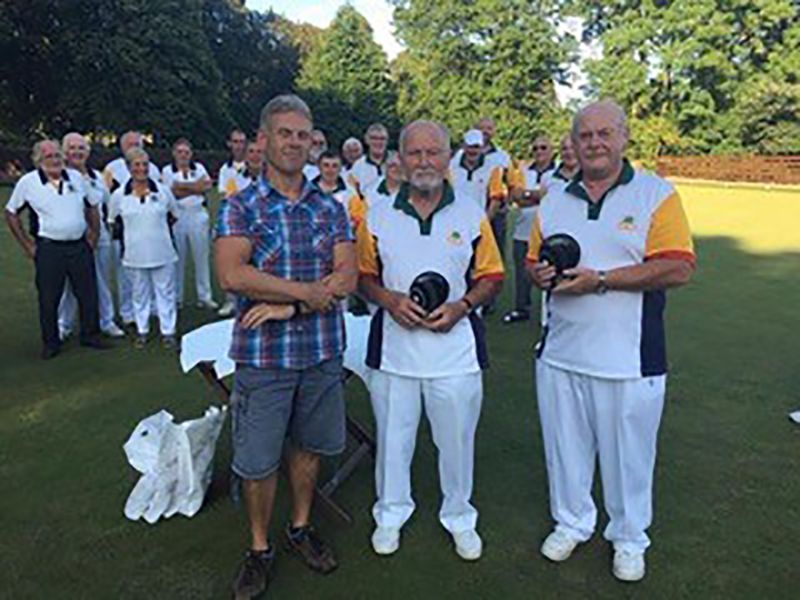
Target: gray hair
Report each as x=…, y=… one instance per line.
x=129, y=134
x=71, y=136
x=351, y=141
x=377, y=128
x=135, y=153
x=285, y=103
x=616, y=111
x=408, y=129
x=36, y=153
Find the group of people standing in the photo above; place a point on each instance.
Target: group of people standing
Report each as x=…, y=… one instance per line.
x=291, y=251
x=301, y=229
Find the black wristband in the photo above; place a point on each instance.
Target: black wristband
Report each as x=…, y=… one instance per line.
x=469, y=304
x=298, y=308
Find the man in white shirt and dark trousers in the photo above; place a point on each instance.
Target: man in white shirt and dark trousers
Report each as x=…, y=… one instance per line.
x=188, y=181
x=64, y=227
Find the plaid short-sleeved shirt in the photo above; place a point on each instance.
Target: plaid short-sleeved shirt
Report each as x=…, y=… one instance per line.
x=291, y=240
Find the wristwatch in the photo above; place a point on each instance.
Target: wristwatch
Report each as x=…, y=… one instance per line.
x=602, y=285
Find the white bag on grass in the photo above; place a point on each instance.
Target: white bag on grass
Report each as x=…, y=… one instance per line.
x=176, y=462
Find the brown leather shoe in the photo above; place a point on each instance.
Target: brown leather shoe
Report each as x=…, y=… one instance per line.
x=306, y=544
x=254, y=574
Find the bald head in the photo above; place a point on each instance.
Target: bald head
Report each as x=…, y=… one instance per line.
x=600, y=135
x=130, y=139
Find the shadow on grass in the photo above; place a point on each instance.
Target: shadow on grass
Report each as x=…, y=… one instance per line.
x=726, y=516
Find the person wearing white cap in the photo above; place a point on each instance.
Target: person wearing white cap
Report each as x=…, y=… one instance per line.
x=470, y=173
x=76, y=152
x=188, y=181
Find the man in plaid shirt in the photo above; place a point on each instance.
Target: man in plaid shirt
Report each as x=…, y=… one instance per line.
x=283, y=242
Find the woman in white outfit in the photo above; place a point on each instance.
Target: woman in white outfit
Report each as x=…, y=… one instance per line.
x=142, y=208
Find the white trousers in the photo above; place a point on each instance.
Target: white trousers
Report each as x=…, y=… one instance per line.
x=67, y=308
x=192, y=236
x=584, y=417
x=453, y=406
x=124, y=285
x=158, y=281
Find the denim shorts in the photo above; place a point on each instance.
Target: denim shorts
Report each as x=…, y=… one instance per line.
x=271, y=406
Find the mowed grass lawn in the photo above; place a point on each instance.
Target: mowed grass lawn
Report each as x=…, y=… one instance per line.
x=727, y=497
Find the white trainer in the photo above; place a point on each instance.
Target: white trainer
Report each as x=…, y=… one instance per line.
x=227, y=310
x=558, y=546
x=386, y=540
x=113, y=331
x=628, y=565
x=469, y=545
x=207, y=304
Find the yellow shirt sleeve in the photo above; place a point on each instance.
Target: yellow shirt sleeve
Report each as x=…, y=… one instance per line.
x=357, y=209
x=497, y=184
x=669, y=235
x=367, y=251
x=487, y=260
x=535, y=241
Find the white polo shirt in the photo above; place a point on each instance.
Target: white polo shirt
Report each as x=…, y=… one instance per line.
x=226, y=178
x=396, y=246
x=471, y=183
x=616, y=335
x=310, y=171
x=171, y=175
x=533, y=179
x=146, y=237
x=57, y=211
x=365, y=172
x=116, y=173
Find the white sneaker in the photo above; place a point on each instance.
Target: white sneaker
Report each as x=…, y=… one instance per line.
x=469, y=545
x=227, y=309
x=113, y=331
x=386, y=540
x=64, y=334
x=209, y=304
x=558, y=546
x=628, y=565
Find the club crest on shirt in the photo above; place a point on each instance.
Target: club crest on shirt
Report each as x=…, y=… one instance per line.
x=627, y=224
x=455, y=238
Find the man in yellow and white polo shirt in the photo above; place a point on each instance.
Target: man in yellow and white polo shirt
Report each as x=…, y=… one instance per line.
x=234, y=166
x=601, y=363
x=438, y=357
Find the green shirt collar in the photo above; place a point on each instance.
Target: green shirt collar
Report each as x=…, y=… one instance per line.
x=575, y=187
x=402, y=203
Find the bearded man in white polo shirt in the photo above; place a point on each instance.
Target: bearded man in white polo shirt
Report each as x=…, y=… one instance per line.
x=63, y=229
x=189, y=182
x=433, y=357
x=601, y=363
